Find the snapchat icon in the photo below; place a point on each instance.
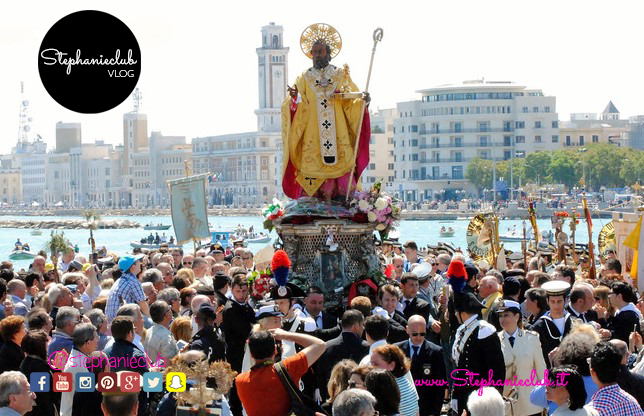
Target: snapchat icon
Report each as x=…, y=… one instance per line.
x=176, y=382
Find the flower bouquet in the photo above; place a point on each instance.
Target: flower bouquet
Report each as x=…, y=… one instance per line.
x=558, y=219
x=381, y=209
x=259, y=283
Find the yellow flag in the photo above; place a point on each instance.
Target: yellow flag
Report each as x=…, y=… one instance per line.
x=634, y=267
x=633, y=238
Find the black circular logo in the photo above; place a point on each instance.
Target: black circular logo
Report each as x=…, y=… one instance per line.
x=89, y=61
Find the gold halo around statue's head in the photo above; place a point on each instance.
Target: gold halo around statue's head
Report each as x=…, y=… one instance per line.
x=320, y=32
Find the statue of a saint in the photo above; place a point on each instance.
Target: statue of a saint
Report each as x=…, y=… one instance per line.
x=320, y=118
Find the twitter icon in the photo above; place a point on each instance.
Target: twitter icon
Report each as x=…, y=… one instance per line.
x=153, y=382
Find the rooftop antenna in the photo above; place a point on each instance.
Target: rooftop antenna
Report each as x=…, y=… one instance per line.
x=24, y=118
x=138, y=100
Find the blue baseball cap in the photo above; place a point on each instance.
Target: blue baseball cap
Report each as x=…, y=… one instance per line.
x=127, y=261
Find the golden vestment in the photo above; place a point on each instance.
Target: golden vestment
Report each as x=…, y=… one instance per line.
x=319, y=130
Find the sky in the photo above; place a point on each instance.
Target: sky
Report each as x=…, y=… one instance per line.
x=199, y=65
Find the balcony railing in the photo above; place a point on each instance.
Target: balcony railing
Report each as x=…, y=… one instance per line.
x=438, y=178
x=461, y=160
x=453, y=144
x=445, y=160
x=470, y=130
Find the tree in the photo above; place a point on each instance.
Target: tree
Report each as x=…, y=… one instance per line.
x=603, y=163
x=479, y=172
x=632, y=168
x=537, y=166
x=562, y=168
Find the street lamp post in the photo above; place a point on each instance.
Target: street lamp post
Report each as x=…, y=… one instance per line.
x=494, y=179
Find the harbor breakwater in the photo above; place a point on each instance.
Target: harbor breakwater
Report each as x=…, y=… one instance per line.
x=60, y=224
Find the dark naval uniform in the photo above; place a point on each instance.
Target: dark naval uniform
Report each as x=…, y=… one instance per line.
x=477, y=349
x=549, y=334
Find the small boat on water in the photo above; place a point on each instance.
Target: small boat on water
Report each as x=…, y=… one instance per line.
x=262, y=238
x=447, y=232
x=36, y=232
x=156, y=227
x=21, y=254
x=511, y=237
x=138, y=244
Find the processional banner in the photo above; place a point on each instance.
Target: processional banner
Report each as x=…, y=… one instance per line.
x=188, y=203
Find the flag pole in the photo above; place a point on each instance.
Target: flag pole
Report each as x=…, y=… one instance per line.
x=524, y=247
x=377, y=37
x=592, y=272
x=194, y=241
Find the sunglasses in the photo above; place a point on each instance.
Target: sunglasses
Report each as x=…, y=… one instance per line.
x=416, y=334
x=187, y=262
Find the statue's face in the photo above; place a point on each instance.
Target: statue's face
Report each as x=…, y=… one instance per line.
x=320, y=56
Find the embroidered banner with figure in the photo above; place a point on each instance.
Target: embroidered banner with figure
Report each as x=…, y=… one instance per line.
x=188, y=203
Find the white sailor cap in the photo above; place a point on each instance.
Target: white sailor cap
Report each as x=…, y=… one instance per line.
x=509, y=305
x=270, y=309
x=555, y=287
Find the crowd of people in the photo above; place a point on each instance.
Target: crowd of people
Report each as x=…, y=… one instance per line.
x=440, y=334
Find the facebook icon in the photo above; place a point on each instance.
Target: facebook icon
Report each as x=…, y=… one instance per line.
x=39, y=382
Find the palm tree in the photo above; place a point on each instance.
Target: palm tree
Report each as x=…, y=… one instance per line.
x=56, y=244
x=92, y=217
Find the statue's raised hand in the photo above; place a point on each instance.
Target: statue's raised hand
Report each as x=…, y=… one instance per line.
x=292, y=91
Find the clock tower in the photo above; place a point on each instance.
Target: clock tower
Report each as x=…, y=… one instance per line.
x=272, y=76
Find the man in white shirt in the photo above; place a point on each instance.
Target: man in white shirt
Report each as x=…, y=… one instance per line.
x=18, y=290
x=376, y=329
x=66, y=258
x=314, y=308
x=85, y=343
x=196, y=302
x=134, y=311
x=159, y=341
x=200, y=268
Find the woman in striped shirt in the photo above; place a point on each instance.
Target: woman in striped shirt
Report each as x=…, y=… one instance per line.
x=390, y=357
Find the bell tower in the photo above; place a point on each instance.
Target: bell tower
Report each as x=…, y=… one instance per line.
x=272, y=77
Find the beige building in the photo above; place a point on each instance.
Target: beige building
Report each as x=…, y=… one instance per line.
x=58, y=182
x=68, y=136
x=381, y=150
x=586, y=128
x=10, y=186
x=93, y=168
x=243, y=166
x=135, y=153
x=152, y=166
x=101, y=174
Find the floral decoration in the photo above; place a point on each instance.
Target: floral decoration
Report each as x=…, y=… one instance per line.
x=259, y=282
x=380, y=208
x=271, y=213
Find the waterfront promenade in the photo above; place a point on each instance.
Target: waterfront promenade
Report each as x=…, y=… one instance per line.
x=410, y=212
